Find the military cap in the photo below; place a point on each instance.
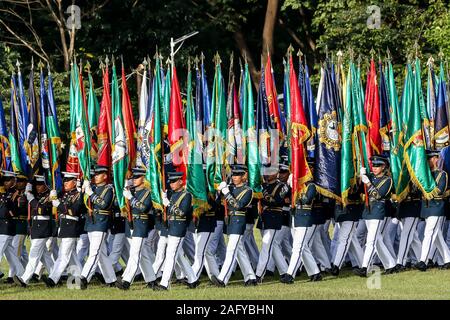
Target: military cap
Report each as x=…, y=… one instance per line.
x=70, y=175
x=174, y=176
x=21, y=177
x=432, y=153
x=138, y=172
x=238, y=169
x=379, y=160
x=8, y=174
x=269, y=170
x=100, y=169
x=284, y=167
x=39, y=179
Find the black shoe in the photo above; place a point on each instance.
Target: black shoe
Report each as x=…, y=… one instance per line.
x=100, y=278
x=315, y=277
x=362, y=272
x=269, y=273
x=421, y=266
x=159, y=287
x=408, y=265
x=194, y=284
x=64, y=278
x=251, y=282
x=445, y=266
x=119, y=273
x=122, y=285
x=49, y=283
x=390, y=270
x=9, y=280
x=139, y=277
x=83, y=283
x=151, y=284
x=287, y=278
x=182, y=281
x=334, y=270
x=19, y=282
x=259, y=279
x=34, y=278
x=217, y=282
x=400, y=268
x=111, y=284
x=430, y=264
x=298, y=273
x=1, y=274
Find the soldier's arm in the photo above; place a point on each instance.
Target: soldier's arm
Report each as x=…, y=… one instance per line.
x=383, y=190
x=104, y=202
x=242, y=203
x=309, y=195
x=441, y=182
x=282, y=193
x=184, y=207
x=142, y=205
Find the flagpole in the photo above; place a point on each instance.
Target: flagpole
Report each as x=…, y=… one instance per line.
x=173, y=52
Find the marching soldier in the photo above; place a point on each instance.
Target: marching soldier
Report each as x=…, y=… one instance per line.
x=100, y=197
x=20, y=218
x=41, y=229
x=347, y=219
x=179, y=212
x=118, y=245
x=238, y=197
x=7, y=226
x=303, y=230
x=163, y=232
x=409, y=215
x=142, y=214
x=434, y=214
x=70, y=206
x=216, y=209
x=274, y=193
x=379, y=187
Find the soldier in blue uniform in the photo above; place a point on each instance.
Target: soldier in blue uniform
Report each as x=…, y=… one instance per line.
x=205, y=225
x=7, y=226
x=238, y=197
x=179, y=214
x=302, y=225
x=379, y=188
x=20, y=218
x=162, y=228
x=347, y=219
x=274, y=193
x=70, y=206
x=118, y=246
x=409, y=215
x=434, y=214
x=41, y=228
x=99, y=200
x=142, y=222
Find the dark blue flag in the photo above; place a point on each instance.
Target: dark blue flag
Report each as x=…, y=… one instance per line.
x=441, y=131
x=4, y=142
x=385, y=121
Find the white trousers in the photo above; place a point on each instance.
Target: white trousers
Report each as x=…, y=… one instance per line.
x=389, y=233
x=236, y=251
x=140, y=258
x=301, y=251
x=375, y=244
x=347, y=242
x=250, y=244
x=212, y=258
x=158, y=265
x=189, y=246
x=202, y=240
x=18, y=244
x=38, y=250
x=67, y=259
x=271, y=248
x=317, y=247
x=433, y=236
x=98, y=257
x=409, y=240
x=82, y=247
x=284, y=238
x=174, y=245
x=117, y=250
x=7, y=249
x=52, y=247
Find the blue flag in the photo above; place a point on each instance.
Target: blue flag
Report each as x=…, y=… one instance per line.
x=22, y=124
x=263, y=122
x=4, y=142
x=385, y=121
x=441, y=131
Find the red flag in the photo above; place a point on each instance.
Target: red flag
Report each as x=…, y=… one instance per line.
x=104, y=125
x=372, y=109
x=177, y=128
x=300, y=132
x=271, y=93
x=130, y=127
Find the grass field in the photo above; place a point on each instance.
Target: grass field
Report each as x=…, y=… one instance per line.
x=433, y=284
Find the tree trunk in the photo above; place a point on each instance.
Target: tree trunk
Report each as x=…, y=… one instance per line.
x=245, y=52
x=269, y=27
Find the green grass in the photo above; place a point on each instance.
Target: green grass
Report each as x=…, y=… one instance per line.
x=433, y=284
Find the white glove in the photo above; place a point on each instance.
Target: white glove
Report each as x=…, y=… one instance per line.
x=86, y=183
x=127, y=194
x=362, y=171
x=166, y=201
x=222, y=185
x=79, y=185
x=29, y=196
x=56, y=203
x=225, y=191
x=53, y=195
x=289, y=180
x=88, y=189
x=365, y=179
x=395, y=221
x=129, y=183
x=29, y=187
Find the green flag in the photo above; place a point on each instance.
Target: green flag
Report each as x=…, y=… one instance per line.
x=414, y=149
x=119, y=143
x=93, y=115
x=250, y=136
x=195, y=180
x=152, y=135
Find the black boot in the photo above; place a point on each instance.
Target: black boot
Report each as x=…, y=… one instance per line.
x=286, y=278
x=9, y=280
x=194, y=284
x=49, y=283
x=362, y=272
x=217, y=282
x=400, y=268
x=19, y=282
x=421, y=266
x=122, y=285
x=151, y=284
x=316, y=277
x=334, y=270
x=159, y=287
x=83, y=283
x=251, y=282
